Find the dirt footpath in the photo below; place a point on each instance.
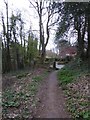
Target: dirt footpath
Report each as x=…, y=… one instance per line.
x=51, y=99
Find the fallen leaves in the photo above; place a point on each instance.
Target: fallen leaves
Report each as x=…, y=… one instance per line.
x=18, y=99
x=77, y=95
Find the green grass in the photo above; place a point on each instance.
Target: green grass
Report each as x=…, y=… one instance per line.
x=71, y=71
x=37, y=78
x=66, y=75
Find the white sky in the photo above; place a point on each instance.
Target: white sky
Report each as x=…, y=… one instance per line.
x=28, y=14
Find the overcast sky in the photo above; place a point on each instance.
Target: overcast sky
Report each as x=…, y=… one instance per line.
x=28, y=14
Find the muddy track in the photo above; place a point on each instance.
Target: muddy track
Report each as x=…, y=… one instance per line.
x=51, y=99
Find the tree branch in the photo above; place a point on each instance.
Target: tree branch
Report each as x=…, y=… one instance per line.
x=33, y=5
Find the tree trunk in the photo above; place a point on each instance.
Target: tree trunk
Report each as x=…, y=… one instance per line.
x=89, y=42
x=39, y=49
x=43, y=54
x=41, y=34
x=8, y=41
x=24, y=51
x=8, y=59
x=80, y=47
x=80, y=41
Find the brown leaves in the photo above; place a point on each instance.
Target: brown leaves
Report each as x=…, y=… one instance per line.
x=77, y=94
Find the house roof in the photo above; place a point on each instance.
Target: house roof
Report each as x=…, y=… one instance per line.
x=68, y=51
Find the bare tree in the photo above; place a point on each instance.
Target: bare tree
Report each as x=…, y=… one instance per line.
x=45, y=11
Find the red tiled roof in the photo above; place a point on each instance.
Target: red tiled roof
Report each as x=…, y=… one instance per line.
x=68, y=51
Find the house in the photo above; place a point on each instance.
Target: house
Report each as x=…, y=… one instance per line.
x=68, y=51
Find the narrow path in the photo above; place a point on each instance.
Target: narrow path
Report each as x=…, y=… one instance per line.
x=51, y=100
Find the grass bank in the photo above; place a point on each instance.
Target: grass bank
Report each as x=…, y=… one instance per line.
x=74, y=79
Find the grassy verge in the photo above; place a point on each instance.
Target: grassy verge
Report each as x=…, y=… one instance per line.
x=19, y=100
x=71, y=71
x=74, y=81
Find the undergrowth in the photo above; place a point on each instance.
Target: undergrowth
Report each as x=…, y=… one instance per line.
x=71, y=71
x=67, y=76
x=13, y=99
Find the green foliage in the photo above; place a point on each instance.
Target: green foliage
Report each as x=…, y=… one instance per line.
x=35, y=82
x=21, y=75
x=37, y=78
x=72, y=70
x=10, y=99
x=85, y=115
x=66, y=76
x=21, y=50
x=32, y=87
x=32, y=49
x=63, y=28
x=72, y=107
x=77, y=104
x=13, y=99
x=74, y=14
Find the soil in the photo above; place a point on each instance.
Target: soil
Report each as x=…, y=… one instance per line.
x=51, y=100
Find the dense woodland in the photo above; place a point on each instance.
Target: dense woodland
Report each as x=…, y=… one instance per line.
x=76, y=15
x=19, y=48
x=33, y=86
